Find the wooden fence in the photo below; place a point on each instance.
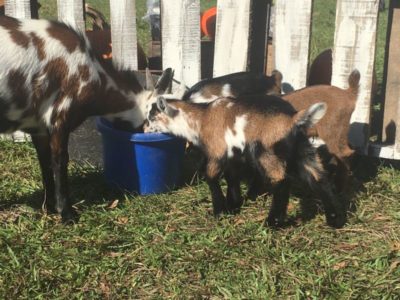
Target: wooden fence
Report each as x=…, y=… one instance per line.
x=240, y=45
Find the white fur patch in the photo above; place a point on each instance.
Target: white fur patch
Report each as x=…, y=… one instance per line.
x=236, y=138
x=184, y=126
x=226, y=90
x=316, y=141
x=199, y=98
x=65, y=104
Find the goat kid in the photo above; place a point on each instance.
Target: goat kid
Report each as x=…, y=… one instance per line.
x=267, y=134
x=330, y=135
x=233, y=85
x=50, y=82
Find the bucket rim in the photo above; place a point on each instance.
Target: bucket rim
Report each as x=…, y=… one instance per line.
x=104, y=126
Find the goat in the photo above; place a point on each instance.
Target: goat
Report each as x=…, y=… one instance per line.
x=268, y=134
x=341, y=104
x=50, y=82
x=235, y=84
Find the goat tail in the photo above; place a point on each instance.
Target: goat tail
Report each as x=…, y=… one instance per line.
x=308, y=117
x=354, y=81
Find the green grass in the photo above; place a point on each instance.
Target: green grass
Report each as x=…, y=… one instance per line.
x=169, y=246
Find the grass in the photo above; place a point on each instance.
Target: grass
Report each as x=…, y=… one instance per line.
x=169, y=246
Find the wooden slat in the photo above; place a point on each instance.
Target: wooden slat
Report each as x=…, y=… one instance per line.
x=231, y=36
x=18, y=8
x=181, y=39
x=259, y=15
x=391, y=121
x=72, y=13
x=292, y=39
x=123, y=34
x=354, y=47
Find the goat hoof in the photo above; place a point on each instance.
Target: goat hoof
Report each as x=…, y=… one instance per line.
x=69, y=217
x=335, y=220
x=274, y=222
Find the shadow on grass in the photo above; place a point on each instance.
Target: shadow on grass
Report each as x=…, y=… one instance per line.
x=86, y=188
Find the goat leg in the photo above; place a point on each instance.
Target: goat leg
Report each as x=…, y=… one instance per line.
x=213, y=172
x=233, y=194
x=59, y=149
x=42, y=146
x=335, y=211
x=280, y=200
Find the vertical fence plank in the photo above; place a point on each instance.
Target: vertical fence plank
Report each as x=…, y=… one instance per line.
x=292, y=39
x=123, y=34
x=231, y=36
x=391, y=121
x=259, y=16
x=17, y=9
x=181, y=39
x=72, y=13
x=354, y=47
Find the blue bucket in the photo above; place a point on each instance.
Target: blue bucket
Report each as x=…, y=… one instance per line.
x=144, y=163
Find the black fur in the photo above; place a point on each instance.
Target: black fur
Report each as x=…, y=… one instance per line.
x=242, y=83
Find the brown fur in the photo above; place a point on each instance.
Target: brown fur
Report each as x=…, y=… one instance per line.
x=39, y=45
x=221, y=115
x=18, y=37
x=334, y=126
x=67, y=37
x=273, y=141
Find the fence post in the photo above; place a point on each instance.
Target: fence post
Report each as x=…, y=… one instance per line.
x=72, y=12
x=292, y=30
x=18, y=8
x=354, y=47
x=180, y=40
x=391, y=121
x=259, y=18
x=231, y=36
x=123, y=34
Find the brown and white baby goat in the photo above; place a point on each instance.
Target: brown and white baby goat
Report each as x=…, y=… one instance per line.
x=50, y=82
x=267, y=134
x=332, y=130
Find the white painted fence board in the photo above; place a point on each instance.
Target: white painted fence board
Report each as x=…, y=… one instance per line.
x=354, y=47
x=231, y=36
x=391, y=120
x=123, y=34
x=292, y=30
x=72, y=12
x=18, y=9
x=181, y=39
x=384, y=151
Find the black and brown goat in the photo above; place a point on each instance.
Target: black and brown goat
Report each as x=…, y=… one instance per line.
x=268, y=134
x=50, y=82
x=233, y=85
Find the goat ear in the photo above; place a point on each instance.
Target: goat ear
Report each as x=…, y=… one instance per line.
x=312, y=115
x=165, y=108
x=149, y=80
x=164, y=81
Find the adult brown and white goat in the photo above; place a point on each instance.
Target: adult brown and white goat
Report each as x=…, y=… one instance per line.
x=50, y=82
x=268, y=134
